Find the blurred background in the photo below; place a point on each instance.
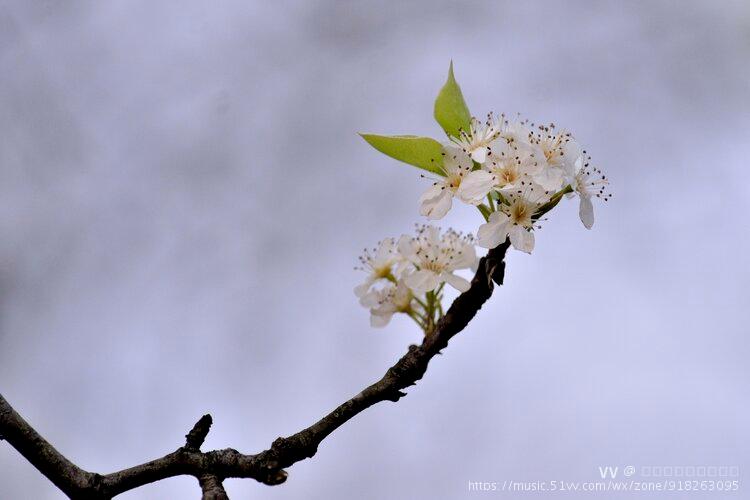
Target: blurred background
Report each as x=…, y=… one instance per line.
x=183, y=197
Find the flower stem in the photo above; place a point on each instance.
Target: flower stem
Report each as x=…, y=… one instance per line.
x=421, y=303
x=485, y=211
x=417, y=319
x=552, y=203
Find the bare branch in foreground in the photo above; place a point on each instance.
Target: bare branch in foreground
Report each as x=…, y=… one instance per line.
x=212, y=488
x=211, y=468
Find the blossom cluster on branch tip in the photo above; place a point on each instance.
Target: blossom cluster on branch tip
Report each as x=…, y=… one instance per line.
x=408, y=275
x=513, y=171
x=516, y=168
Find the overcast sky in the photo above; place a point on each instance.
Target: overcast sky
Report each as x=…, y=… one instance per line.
x=183, y=196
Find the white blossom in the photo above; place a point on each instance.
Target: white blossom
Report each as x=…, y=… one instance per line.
x=460, y=180
x=476, y=141
x=587, y=182
x=511, y=161
x=514, y=218
x=434, y=258
x=518, y=131
x=560, y=151
x=378, y=264
x=387, y=301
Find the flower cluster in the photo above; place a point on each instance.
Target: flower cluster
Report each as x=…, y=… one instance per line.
x=513, y=171
x=520, y=171
x=407, y=276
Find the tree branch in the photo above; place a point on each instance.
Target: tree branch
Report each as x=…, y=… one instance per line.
x=212, y=488
x=405, y=373
x=67, y=476
x=211, y=468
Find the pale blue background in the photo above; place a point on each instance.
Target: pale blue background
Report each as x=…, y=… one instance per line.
x=183, y=196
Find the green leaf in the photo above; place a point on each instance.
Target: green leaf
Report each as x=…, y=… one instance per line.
x=451, y=111
x=421, y=152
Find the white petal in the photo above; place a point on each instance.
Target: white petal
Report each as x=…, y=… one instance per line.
x=498, y=216
x=479, y=155
x=401, y=267
x=457, y=282
x=586, y=211
x=550, y=178
x=572, y=168
x=435, y=204
x=498, y=146
x=403, y=294
x=474, y=265
x=475, y=186
x=360, y=290
x=494, y=232
x=521, y=239
x=467, y=259
x=379, y=320
x=573, y=157
x=432, y=192
x=433, y=235
x=370, y=299
x=406, y=248
x=530, y=164
x=422, y=281
x=385, y=250
x=455, y=158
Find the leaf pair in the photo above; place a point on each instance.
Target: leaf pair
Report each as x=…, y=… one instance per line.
x=451, y=113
